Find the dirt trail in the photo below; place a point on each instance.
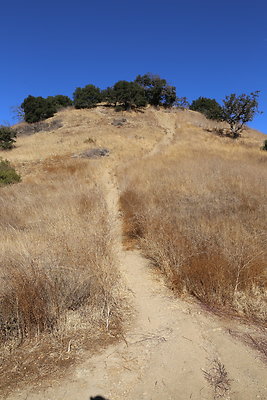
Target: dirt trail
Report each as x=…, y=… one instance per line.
x=169, y=344
x=169, y=126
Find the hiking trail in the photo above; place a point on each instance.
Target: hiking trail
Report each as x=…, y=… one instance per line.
x=173, y=350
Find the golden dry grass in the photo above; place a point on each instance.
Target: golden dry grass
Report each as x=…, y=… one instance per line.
x=198, y=211
x=84, y=129
x=60, y=286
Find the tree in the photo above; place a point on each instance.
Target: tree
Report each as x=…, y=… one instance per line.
x=181, y=102
x=87, y=97
x=209, y=107
x=109, y=96
x=168, y=97
x=37, y=108
x=7, y=137
x=158, y=92
x=60, y=101
x=18, y=113
x=129, y=94
x=238, y=110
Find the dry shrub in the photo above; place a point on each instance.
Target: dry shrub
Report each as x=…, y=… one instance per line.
x=202, y=220
x=58, y=266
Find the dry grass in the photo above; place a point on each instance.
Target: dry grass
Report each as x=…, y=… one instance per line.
x=83, y=129
x=198, y=211
x=217, y=377
x=59, y=283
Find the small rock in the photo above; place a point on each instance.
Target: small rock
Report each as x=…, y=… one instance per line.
x=93, y=153
x=119, y=122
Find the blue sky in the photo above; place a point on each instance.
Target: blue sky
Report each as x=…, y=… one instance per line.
x=205, y=48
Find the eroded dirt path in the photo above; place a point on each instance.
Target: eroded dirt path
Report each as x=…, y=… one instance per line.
x=170, y=346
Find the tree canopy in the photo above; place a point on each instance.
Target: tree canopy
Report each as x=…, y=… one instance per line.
x=87, y=97
x=157, y=91
x=151, y=89
x=238, y=110
x=37, y=109
x=60, y=101
x=128, y=94
x=209, y=107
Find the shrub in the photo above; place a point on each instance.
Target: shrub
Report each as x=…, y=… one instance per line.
x=87, y=97
x=37, y=108
x=209, y=107
x=8, y=174
x=264, y=147
x=7, y=137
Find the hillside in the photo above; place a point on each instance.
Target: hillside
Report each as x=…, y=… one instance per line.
x=138, y=274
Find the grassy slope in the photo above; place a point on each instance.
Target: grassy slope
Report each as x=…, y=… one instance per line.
x=201, y=216
x=54, y=249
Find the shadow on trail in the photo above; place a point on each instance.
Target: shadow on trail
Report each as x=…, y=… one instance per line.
x=98, y=398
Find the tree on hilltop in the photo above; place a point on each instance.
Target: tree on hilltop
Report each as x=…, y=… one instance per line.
x=60, y=101
x=181, y=102
x=128, y=94
x=158, y=92
x=209, y=107
x=87, y=97
x=238, y=110
x=37, y=109
x=108, y=95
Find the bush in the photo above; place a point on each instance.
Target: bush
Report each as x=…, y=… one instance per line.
x=8, y=174
x=87, y=97
x=264, y=147
x=7, y=137
x=37, y=108
x=209, y=107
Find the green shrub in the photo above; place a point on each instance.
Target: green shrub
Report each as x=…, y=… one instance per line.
x=8, y=174
x=7, y=137
x=264, y=147
x=87, y=97
x=209, y=107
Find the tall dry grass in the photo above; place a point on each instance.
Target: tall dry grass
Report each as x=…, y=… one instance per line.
x=201, y=219
x=58, y=265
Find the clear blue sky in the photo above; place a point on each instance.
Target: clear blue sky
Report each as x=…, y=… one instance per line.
x=204, y=47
